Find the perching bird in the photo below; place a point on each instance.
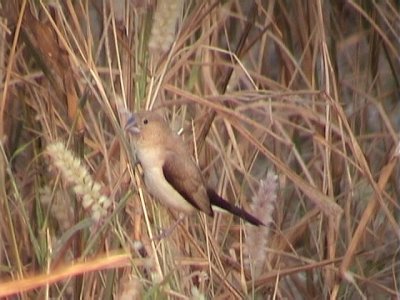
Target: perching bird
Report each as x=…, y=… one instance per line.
x=170, y=173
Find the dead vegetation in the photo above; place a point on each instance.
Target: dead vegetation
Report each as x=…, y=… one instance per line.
x=306, y=90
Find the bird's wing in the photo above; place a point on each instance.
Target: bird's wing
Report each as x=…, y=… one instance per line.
x=184, y=176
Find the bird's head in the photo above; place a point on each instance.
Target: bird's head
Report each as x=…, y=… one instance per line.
x=147, y=129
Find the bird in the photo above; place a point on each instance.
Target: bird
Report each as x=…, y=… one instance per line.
x=170, y=172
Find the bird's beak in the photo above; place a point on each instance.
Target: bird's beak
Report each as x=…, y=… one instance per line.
x=131, y=125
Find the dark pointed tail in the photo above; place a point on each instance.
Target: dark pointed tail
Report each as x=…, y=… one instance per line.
x=217, y=200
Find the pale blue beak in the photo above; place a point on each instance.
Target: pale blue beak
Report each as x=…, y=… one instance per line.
x=131, y=125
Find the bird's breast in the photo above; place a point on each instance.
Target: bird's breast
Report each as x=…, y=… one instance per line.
x=160, y=188
x=150, y=157
x=152, y=161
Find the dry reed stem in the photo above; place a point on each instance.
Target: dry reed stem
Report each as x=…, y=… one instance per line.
x=307, y=88
x=19, y=286
x=369, y=213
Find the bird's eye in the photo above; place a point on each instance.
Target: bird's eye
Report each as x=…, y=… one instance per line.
x=145, y=121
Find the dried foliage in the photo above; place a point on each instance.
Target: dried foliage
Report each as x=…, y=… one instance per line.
x=308, y=89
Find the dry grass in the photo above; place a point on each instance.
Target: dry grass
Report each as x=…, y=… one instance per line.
x=303, y=89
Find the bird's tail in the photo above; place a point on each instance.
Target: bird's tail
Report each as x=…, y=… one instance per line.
x=217, y=200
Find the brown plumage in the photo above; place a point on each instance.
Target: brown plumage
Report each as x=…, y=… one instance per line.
x=170, y=173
